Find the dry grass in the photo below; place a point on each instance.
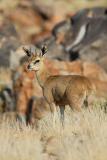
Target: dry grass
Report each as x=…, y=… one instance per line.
x=18, y=144
x=83, y=138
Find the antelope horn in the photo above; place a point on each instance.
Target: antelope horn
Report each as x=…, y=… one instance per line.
x=44, y=49
x=28, y=53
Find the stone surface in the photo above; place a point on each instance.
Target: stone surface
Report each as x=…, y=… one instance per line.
x=9, y=42
x=103, y=62
x=83, y=36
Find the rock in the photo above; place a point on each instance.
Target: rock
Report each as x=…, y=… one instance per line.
x=71, y=28
x=9, y=42
x=16, y=58
x=83, y=36
x=95, y=52
x=88, y=69
x=5, y=78
x=7, y=100
x=92, y=46
x=26, y=27
x=23, y=87
x=37, y=109
x=103, y=62
x=93, y=70
x=55, y=51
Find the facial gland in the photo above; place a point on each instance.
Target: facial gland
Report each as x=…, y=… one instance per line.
x=34, y=65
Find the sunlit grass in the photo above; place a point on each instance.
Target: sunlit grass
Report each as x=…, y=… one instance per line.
x=84, y=137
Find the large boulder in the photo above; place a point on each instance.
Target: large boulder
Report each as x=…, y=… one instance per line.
x=83, y=36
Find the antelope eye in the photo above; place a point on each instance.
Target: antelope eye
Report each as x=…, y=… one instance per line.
x=37, y=61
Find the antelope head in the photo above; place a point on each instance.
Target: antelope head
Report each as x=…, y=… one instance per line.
x=35, y=58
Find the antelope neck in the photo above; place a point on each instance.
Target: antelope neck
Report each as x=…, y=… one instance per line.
x=42, y=75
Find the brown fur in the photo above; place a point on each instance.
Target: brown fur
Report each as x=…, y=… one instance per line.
x=67, y=90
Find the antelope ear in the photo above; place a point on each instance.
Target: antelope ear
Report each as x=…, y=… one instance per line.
x=28, y=53
x=44, y=49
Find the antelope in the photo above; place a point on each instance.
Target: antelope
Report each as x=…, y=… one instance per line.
x=59, y=90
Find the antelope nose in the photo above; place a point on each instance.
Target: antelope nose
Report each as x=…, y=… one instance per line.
x=28, y=66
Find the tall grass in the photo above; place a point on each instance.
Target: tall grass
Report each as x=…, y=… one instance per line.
x=84, y=137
